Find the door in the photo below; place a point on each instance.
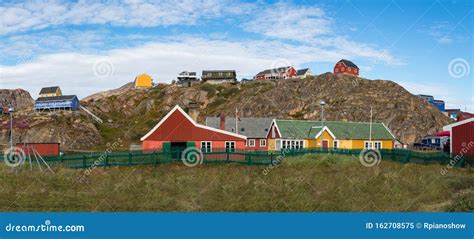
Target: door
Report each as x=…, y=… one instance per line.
x=177, y=149
x=325, y=144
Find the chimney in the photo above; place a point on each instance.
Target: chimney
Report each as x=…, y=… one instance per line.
x=193, y=110
x=222, y=121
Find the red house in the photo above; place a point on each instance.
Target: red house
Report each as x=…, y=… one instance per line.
x=462, y=138
x=346, y=67
x=177, y=130
x=43, y=149
x=277, y=73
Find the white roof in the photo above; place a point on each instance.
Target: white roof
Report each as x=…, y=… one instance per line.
x=450, y=126
x=192, y=121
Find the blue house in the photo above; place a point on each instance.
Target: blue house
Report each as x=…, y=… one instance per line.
x=439, y=104
x=63, y=102
x=427, y=98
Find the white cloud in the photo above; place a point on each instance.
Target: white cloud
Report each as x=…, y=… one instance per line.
x=34, y=15
x=288, y=21
x=163, y=59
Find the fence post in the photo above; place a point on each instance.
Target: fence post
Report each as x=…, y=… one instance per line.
x=250, y=159
x=227, y=155
x=271, y=158
x=407, y=159
x=84, y=161
x=106, y=162
x=129, y=158
x=155, y=158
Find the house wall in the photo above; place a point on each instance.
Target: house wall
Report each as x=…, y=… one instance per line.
x=325, y=136
x=343, y=69
x=359, y=143
x=158, y=144
x=257, y=146
x=271, y=144
x=44, y=149
x=462, y=139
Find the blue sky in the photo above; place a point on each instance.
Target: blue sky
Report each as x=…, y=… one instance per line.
x=90, y=46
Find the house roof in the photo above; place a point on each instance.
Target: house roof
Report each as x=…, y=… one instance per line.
x=302, y=71
x=56, y=98
x=279, y=69
x=250, y=127
x=301, y=129
x=348, y=63
x=450, y=126
x=179, y=109
x=49, y=90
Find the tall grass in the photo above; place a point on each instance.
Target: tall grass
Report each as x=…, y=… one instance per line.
x=308, y=183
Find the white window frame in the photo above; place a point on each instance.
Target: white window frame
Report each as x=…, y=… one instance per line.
x=373, y=145
x=251, y=142
x=231, y=143
x=205, y=148
x=263, y=143
x=335, y=144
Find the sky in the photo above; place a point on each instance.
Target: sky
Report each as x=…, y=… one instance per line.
x=90, y=46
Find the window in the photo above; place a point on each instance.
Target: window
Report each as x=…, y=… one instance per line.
x=288, y=144
x=355, y=70
x=336, y=144
x=337, y=70
x=372, y=145
x=242, y=130
x=433, y=141
x=349, y=69
x=206, y=146
x=263, y=143
x=251, y=142
x=220, y=73
x=230, y=146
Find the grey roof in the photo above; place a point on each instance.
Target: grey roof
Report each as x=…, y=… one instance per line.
x=302, y=71
x=278, y=70
x=48, y=90
x=56, y=98
x=348, y=63
x=250, y=127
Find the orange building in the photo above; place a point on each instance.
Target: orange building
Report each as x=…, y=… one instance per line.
x=143, y=81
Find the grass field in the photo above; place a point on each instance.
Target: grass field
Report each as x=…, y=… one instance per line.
x=309, y=183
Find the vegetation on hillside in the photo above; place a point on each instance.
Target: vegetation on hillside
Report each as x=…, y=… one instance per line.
x=309, y=183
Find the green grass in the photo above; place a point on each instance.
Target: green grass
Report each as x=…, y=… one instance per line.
x=308, y=183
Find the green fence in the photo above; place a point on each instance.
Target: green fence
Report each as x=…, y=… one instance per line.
x=104, y=159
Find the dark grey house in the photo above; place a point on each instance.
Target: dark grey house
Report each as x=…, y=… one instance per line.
x=219, y=76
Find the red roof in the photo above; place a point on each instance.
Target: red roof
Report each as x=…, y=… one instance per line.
x=442, y=133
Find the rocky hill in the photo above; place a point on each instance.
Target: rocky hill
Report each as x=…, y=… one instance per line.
x=348, y=98
x=18, y=98
x=129, y=113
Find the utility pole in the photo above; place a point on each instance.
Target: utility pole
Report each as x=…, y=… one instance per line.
x=370, y=129
x=11, y=110
x=322, y=104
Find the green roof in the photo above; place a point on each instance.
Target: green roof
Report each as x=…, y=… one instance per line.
x=303, y=129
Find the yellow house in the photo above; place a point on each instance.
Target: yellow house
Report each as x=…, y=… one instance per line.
x=50, y=91
x=296, y=134
x=143, y=81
